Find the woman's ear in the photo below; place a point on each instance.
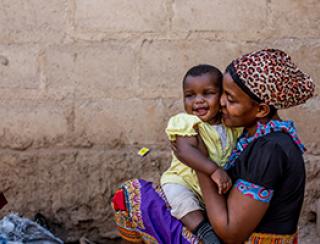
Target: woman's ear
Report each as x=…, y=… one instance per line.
x=263, y=110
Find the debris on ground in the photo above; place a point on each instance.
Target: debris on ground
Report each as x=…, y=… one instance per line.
x=143, y=151
x=17, y=230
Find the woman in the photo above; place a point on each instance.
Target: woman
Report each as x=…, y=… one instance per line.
x=266, y=166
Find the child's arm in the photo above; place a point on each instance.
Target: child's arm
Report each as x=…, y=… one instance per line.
x=187, y=151
x=192, y=152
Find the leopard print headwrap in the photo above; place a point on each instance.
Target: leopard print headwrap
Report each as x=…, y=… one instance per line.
x=271, y=77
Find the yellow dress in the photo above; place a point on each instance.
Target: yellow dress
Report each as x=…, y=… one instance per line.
x=187, y=125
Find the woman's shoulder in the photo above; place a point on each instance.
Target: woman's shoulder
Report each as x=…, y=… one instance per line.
x=276, y=153
x=281, y=140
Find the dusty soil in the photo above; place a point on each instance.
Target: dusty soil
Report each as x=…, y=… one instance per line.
x=307, y=235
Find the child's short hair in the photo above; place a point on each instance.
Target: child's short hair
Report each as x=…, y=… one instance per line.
x=205, y=69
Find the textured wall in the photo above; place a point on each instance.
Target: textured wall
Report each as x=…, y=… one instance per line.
x=84, y=84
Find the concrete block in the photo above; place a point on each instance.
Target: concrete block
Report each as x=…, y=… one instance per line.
x=245, y=17
x=306, y=121
x=121, y=16
x=92, y=71
x=295, y=18
x=115, y=122
x=18, y=66
x=307, y=57
x=164, y=63
x=32, y=21
x=312, y=192
x=26, y=124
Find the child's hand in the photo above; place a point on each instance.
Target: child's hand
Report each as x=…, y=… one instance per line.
x=223, y=181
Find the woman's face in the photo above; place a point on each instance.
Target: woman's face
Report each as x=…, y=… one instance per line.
x=238, y=109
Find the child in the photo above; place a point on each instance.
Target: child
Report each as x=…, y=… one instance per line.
x=202, y=88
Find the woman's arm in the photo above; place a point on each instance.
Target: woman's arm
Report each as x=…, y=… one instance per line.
x=233, y=217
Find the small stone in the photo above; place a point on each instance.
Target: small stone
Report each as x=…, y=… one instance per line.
x=84, y=240
x=112, y=235
x=4, y=60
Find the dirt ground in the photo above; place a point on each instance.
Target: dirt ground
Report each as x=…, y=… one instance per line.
x=307, y=235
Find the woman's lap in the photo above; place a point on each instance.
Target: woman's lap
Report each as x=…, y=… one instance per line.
x=148, y=217
x=142, y=215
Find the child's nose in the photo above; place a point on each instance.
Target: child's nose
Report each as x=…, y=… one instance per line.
x=199, y=98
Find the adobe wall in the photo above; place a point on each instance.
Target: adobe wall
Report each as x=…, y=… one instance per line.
x=85, y=84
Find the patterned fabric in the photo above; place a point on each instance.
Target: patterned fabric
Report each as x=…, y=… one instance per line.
x=147, y=217
x=254, y=191
x=133, y=202
x=263, y=130
x=272, y=77
x=158, y=225
x=119, y=200
x=262, y=238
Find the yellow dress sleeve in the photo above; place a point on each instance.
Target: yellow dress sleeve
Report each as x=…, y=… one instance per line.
x=238, y=131
x=182, y=125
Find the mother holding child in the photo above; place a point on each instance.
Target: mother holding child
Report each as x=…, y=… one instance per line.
x=237, y=173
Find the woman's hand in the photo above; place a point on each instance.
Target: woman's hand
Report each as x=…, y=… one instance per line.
x=222, y=180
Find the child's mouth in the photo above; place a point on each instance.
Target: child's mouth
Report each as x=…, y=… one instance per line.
x=200, y=111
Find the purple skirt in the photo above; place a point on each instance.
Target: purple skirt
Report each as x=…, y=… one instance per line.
x=143, y=215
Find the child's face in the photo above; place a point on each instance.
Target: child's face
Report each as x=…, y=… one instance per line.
x=201, y=97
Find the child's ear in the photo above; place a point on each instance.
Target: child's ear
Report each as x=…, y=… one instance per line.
x=263, y=110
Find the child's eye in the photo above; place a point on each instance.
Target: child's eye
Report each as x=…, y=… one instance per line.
x=188, y=95
x=209, y=93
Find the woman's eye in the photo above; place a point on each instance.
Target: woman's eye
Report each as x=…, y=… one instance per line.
x=230, y=100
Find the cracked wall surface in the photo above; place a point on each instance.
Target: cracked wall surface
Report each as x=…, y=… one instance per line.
x=85, y=84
